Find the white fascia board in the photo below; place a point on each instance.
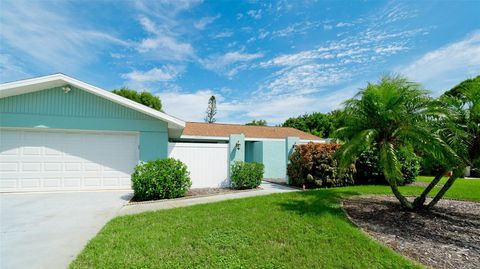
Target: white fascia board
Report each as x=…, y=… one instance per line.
x=223, y=138
x=56, y=80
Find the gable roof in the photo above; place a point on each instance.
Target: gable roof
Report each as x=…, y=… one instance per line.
x=58, y=80
x=221, y=130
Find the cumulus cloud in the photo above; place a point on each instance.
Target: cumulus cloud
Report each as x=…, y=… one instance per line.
x=156, y=74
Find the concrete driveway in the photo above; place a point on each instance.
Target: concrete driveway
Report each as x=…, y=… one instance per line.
x=48, y=230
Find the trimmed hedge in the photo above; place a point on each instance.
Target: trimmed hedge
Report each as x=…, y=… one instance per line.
x=369, y=172
x=314, y=165
x=246, y=175
x=160, y=179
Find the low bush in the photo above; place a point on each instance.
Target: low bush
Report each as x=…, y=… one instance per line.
x=369, y=172
x=246, y=175
x=160, y=179
x=314, y=165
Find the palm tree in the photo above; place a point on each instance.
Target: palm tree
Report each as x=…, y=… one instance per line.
x=460, y=129
x=392, y=115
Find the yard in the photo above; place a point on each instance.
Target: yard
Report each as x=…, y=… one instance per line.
x=292, y=230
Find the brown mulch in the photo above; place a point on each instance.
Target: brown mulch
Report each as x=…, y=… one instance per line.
x=209, y=191
x=196, y=192
x=446, y=237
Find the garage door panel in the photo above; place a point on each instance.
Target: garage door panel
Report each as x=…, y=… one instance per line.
x=47, y=160
x=29, y=181
x=52, y=167
x=8, y=181
x=31, y=167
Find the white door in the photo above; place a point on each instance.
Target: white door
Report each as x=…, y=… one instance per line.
x=206, y=162
x=63, y=160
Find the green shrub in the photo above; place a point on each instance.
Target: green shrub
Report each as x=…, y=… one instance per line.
x=160, y=179
x=369, y=172
x=246, y=175
x=314, y=165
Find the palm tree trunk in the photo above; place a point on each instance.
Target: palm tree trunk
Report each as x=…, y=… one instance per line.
x=443, y=190
x=403, y=201
x=420, y=200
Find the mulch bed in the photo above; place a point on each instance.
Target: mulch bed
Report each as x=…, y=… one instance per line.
x=446, y=237
x=196, y=192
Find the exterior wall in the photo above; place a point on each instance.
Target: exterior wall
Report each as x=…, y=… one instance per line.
x=80, y=110
x=274, y=159
x=234, y=153
x=254, y=151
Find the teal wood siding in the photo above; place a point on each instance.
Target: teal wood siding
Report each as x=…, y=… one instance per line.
x=76, y=103
x=80, y=110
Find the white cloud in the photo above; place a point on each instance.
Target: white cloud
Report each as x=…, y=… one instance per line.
x=165, y=8
x=189, y=106
x=302, y=80
x=327, y=27
x=223, y=34
x=205, y=21
x=48, y=35
x=157, y=74
x=163, y=44
x=443, y=68
x=344, y=24
x=229, y=63
x=255, y=14
x=10, y=69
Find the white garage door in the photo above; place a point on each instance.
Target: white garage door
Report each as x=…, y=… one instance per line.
x=47, y=160
x=206, y=162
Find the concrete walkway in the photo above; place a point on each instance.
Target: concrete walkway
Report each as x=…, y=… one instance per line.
x=266, y=188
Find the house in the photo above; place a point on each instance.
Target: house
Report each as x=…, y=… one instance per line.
x=59, y=133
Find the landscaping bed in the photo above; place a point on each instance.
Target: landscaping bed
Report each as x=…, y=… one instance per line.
x=198, y=192
x=446, y=237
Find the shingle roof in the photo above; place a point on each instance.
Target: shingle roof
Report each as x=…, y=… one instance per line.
x=224, y=130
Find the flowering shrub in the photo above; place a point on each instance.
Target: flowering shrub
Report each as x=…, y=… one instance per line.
x=314, y=165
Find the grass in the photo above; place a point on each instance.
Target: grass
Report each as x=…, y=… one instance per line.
x=290, y=230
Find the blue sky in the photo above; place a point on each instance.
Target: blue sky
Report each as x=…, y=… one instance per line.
x=261, y=59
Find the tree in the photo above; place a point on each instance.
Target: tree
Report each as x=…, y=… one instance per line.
x=393, y=115
x=211, y=110
x=319, y=124
x=144, y=98
x=257, y=123
x=461, y=130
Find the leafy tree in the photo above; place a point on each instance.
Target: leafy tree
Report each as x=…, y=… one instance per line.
x=257, y=123
x=393, y=115
x=211, y=110
x=144, y=98
x=319, y=124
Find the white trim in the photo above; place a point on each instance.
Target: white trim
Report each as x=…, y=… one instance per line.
x=56, y=80
x=38, y=129
x=199, y=137
x=223, y=138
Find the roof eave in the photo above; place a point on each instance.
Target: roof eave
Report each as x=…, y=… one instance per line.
x=56, y=80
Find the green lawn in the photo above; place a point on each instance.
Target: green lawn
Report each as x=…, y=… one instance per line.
x=291, y=230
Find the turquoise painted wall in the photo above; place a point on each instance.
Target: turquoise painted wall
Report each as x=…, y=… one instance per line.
x=274, y=159
x=54, y=109
x=253, y=151
x=236, y=154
